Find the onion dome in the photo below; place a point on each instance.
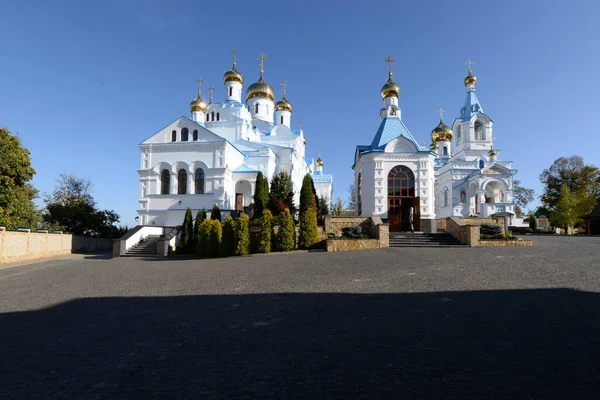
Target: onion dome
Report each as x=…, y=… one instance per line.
x=260, y=89
x=319, y=162
x=492, y=152
x=198, y=104
x=233, y=75
x=441, y=133
x=433, y=146
x=470, y=79
x=390, y=88
x=283, y=105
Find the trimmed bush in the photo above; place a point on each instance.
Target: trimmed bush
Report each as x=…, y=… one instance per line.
x=210, y=238
x=490, y=229
x=532, y=223
x=215, y=213
x=200, y=216
x=354, y=232
x=284, y=241
x=266, y=227
x=227, y=243
x=281, y=189
x=241, y=236
x=308, y=234
x=187, y=233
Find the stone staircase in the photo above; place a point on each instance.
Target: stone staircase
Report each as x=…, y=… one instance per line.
x=419, y=239
x=145, y=248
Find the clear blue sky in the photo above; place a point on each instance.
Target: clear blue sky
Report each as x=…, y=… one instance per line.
x=83, y=83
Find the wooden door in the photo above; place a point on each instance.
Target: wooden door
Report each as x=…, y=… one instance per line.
x=395, y=213
x=239, y=202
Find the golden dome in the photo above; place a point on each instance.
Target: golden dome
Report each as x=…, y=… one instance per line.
x=283, y=105
x=233, y=75
x=433, y=146
x=198, y=104
x=441, y=133
x=319, y=162
x=492, y=152
x=260, y=89
x=390, y=88
x=470, y=79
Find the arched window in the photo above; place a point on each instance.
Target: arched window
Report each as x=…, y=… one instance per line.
x=401, y=182
x=199, y=180
x=481, y=164
x=230, y=91
x=445, y=197
x=182, y=182
x=445, y=150
x=359, y=194
x=256, y=108
x=463, y=196
x=212, y=116
x=195, y=135
x=479, y=135
x=282, y=120
x=185, y=135
x=218, y=116
x=165, y=181
x=174, y=136
x=458, y=132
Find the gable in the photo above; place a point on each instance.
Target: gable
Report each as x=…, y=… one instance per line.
x=401, y=145
x=496, y=170
x=165, y=134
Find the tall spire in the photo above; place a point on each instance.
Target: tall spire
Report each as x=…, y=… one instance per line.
x=391, y=88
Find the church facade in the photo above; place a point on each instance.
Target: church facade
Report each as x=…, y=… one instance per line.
x=214, y=156
x=394, y=173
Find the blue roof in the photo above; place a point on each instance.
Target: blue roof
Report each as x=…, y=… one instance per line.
x=244, y=168
x=470, y=107
x=325, y=178
x=390, y=129
x=234, y=102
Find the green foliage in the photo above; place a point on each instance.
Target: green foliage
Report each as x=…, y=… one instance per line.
x=215, y=213
x=285, y=239
x=187, y=233
x=323, y=211
x=227, y=243
x=72, y=207
x=241, y=236
x=200, y=216
x=261, y=195
x=522, y=197
x=565, y=213
x=528, y=230
x=532, y=222
x=582, y=180
x=354, y=232
x=338, y=208
x=307, y=195
x=281, y=191
x=490, y=229
x=210, y=238
x=308, y=234
x=16, y=193
x=266, y=229
x=352, y=199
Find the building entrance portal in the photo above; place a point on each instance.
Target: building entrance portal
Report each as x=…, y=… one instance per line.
x=401, y=197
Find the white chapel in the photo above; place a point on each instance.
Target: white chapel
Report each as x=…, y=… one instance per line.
x=213, y=156
x=395, y=173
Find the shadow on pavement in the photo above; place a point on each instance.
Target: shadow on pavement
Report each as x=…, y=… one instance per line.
x=513, y=344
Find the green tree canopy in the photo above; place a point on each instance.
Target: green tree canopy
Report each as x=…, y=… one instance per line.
x=186, y=242
x=565, y=212
x=16, y=193
x=523, y=196
x=71, y=207
x=261, y=195
x=581, y=179
x=281, y=191
x=215, y=213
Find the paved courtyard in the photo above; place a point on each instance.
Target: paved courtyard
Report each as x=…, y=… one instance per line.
x=488, y=323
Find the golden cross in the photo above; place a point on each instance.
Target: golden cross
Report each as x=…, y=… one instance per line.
x=210, y=89
x=469, y=63
x=199, y=80
x=284, y=84
x=389, y=60
x=441, y=113
x=234, y=52
x=300, y=124
x=262, y=59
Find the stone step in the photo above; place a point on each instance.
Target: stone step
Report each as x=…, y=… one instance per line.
x=430, y=246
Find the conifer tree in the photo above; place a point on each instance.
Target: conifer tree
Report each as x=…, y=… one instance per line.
x=307, y=235
x=266, y=229
x=284, y=241
x=227, y=243
x=307, y=194
x=261, y=195
x=281, y=191
x=187, y=232
x=200, y=216
x=242, y=236
x=215, y=213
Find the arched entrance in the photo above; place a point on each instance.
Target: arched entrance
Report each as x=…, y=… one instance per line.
x=243, y=195
x=401, y=197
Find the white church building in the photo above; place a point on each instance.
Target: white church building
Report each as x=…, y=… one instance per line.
x=213, y=156
x=395, y=173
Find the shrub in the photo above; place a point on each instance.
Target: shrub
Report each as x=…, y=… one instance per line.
x=261, y=195
x=227, y=243
x=266, y=228
x=210, y=238
x=241, y=235
x=215, y=213
x=308, y=234
x=187, y=233
x=281, y=189
x=200, y=216
x=354, y=232
x=284, y=241
x=532, y=223
x=490, y=229
x=528, y=230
